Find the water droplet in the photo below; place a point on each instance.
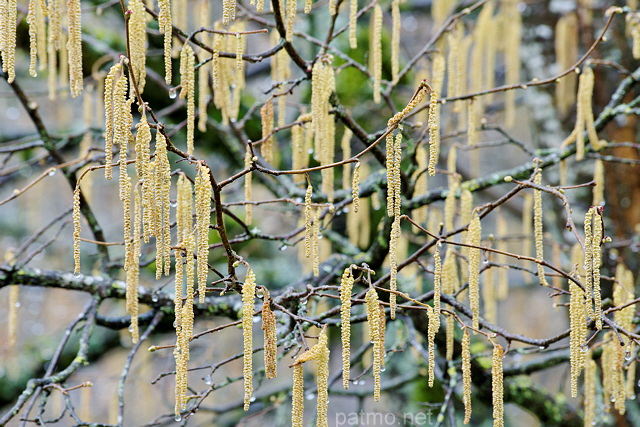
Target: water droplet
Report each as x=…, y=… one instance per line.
x=310, y=396
x=154, y=297
x=35, y=74
x=633, y=397
x=130, y=328
x=175, y=323
x=253, y=399
x=584, y=348
x=382, y=369
x=178, y=417
x=303, y=302
x=173, y=93
x=52, y=172
x=310, y=151
x=207, y=380
x=18, y=304
x=628, y=355
x=613, y=399
x=256, y=319
x=542, y=347
x=173, y=204
x=76, y=275
x=283, y=247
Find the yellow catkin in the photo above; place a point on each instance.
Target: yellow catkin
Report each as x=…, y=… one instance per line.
x=203, y=192
x=395, y=39
x=248, y=187
x=466, y=375
x=76, y=230
x=184, y=209
x=373, y=322
x=489, y=296
x=166, y=28
x=178, y=282
x=142, y=149
x=478, y=55
x=270, y=337
x=440, y=9
x=434, y=132
x=109, y=118
x=14, y=303
x=308, y=222
x=474, y=114
x=345, y=146
x=537, y=228
x=355, y=188
x=497, y=386
x=41, y=34
x=291, y=17
x=421, y=182
x=138, y=42
x=186, y=331
x=513, y=24
x=578, y=336
x=597, y=260
x=397, y=160
x=434, y=317
x=346, y=287
x=598, y=188
x=322, y=85
x=228, y=11
x=33, y=35
x=248, y=299
x=466, y=213
x=187, y=80
x=162, y=186
x=9, y=21
x=133, y=272
x=177, y=351
x=315, y=244
x=205, y=69
x=454, y=42
x=590, y=390
x=267, y=118
x=383, y=331
x=63, y=69
x=566, y=47
x=633, y=28
x=588, y=259
x=353, y=29
x=393, y=264
x=375, y=49
x=322, y=380
x=474, y=236
x=297, y=397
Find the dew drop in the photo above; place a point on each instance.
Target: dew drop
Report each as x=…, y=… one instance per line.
x=35, y=74
x=256, y=319
x=541, y=347
x=633, y=397
x=76, y=275
x=283, y=248
x=382, y=369
x=18, y=304
x=173, y=204
x=628, y=355
x=207, y=380
x=52, y=172
x=253, y=399
x=178, y=417
x=130, y=328
x=173, y=93
x=310, y=396
x=154, y=298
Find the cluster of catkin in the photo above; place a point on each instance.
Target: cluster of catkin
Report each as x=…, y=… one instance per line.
x=320, y=354
x=322, y=85
x=45, y=41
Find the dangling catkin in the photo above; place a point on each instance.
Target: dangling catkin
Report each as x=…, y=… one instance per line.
x=270, y=337
x=138, y=43
x=474, y=235
x=578, y=336
x=466, y=375
x=434, y=315
x=346, y=286
x=166, y=28
x=434, y=132
x=133, y=272
x=537, y=227
x=9, y=18
x=12, y=320
x=395, y=38
x=353, y=29
x=162, y=184
x=355, y=188
x=297, y=397
x=450, y=284
x=248, y=187
x=513, y=24
x=203, y=215
x=109, y=112
x=450, y=203
x=248, y=299
x=566, y=47
x=373, y=322
x=393, y=264
x=76, y=230
x=308, y=218
x=497, y=386
x=266, y=116
x=187, y=80
x=315, y=236
x=33, y=38
x=375, y=49
x=597, y=260
x=142, y=149
x=345, y=146
x=598, y=188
